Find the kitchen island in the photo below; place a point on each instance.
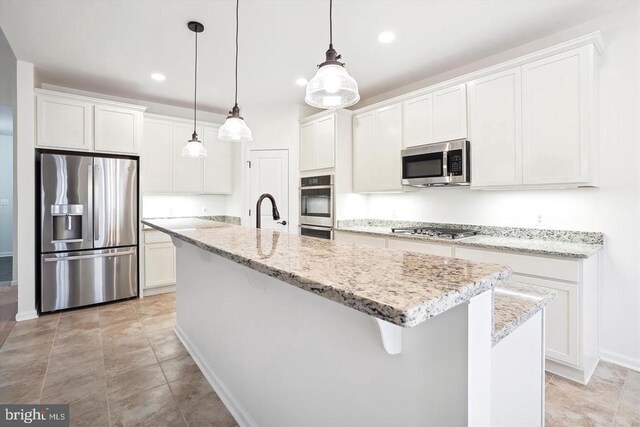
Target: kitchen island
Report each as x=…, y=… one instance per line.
x=293, y=330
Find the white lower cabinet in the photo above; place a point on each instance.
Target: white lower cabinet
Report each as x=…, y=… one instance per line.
x=159, y=260
x=571, y=346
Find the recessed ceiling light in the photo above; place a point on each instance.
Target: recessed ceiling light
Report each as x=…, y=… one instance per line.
x=158, y=77
x=386, y=37
x=301, y=81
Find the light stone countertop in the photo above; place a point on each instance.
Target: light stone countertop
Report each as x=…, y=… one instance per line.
x=516, y=244
x=216, y=218
x=514, y=304
x=403, y=288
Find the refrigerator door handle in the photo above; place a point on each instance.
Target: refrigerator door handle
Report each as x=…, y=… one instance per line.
x=96, y=200
x=76, y=257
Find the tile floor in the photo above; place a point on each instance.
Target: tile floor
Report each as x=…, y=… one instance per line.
x=116, y=365
x=121, y=364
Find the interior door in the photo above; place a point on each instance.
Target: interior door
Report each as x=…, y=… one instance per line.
x=270, y=174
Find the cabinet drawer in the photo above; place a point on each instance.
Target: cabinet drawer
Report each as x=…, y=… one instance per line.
x=378, y=242
x=553, y=268
x=561, y=324
x=420, y=247
x=154, y=236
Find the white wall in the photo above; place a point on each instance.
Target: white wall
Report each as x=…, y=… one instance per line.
x=158, y=206
x=24, y=185
x=613, y=208
x=274, y=127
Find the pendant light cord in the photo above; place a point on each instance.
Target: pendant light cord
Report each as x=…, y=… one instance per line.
x=195, y=86
x=237, y=24
x=331, y=23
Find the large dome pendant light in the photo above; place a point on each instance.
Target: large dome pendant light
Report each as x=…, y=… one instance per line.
x=332, y=86
x=234, y=128
x=194, y=147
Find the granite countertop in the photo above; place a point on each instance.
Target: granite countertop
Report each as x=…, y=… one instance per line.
x=514, y=304
x=403, y=288
x=550, y=245
x=216, y=218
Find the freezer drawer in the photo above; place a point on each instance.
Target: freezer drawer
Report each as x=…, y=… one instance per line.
x=74, y=279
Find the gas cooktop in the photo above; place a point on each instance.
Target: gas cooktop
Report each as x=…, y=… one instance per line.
x=444, y=233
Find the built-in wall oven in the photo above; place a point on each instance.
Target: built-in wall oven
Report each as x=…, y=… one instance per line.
x=441, y=163
x=317, y=206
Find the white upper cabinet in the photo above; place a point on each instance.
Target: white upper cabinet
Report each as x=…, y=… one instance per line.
x=117, y=129
x=388, y=164
x=64, y=122
x=364, y=137
x=377, y=143
x=187, y=171
x=217, y=167
x=495, y=129
x=557, y=115
x=450, y=113
x=157, y=156
x=417, y=125
x=74, y=122
x=317, y=143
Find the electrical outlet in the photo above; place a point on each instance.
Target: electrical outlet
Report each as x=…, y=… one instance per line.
x=4, y=202
x=539, y=220
x=204, y=210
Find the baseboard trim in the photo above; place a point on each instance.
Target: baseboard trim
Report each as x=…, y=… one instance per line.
x=26, y=315
x=241, y=416
x=157, y=290
x=14, y=283
x=622, y=360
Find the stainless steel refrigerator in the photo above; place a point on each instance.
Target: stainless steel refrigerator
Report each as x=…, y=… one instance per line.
x=88, y=229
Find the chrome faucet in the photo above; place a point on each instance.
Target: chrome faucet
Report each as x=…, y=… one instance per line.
x=275, y=213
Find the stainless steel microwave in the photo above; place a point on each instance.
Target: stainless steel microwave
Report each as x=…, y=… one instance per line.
x=442, y=163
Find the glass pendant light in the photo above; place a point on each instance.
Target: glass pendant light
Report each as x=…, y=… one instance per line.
x=194, y=147
x=332, y=86
x=235, y=128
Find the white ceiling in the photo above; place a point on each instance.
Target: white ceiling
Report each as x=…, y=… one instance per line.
x=113, y=46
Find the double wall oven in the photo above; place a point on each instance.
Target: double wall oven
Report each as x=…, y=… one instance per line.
x=317, y=206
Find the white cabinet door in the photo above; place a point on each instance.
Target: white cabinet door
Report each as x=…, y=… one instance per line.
x=159, y=264
x=217, y=165
x=561, y=334
x=326, y=143
x=364, y=141
x=450, y=113
x=157, y=160
x=308, y=146
x=417, y=121
x=556, y=104
x=387, y=172
x=187, y=171
x=64, y=123
x=420, y=247
x=495, y=129
x=117, y=129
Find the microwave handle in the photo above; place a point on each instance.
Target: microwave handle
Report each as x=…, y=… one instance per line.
x=444, y=164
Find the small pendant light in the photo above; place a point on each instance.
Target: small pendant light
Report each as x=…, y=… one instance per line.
x=194, y=147
x=235, y=128
x=332, y=86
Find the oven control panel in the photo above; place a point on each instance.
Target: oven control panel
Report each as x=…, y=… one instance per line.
x=454, y=163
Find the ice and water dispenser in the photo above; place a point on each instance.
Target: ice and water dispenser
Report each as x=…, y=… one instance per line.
x=66, y=223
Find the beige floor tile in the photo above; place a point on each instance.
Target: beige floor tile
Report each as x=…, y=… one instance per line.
x=38, y=337
x=21, y=392
x=117, y=313
x=182, y=367
x=80, y=320
x=633, y=381
x=567, y=405
x=116, y=362
x=159, y=322
x=28, y=373
x=126, y=343
x=628, y=414
x=122, y=329
x=129, y=383
x=96, y=417
x=155, y=407
x=11, y=359
x=199, y=404
x=169, y=350
x=89, y=388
